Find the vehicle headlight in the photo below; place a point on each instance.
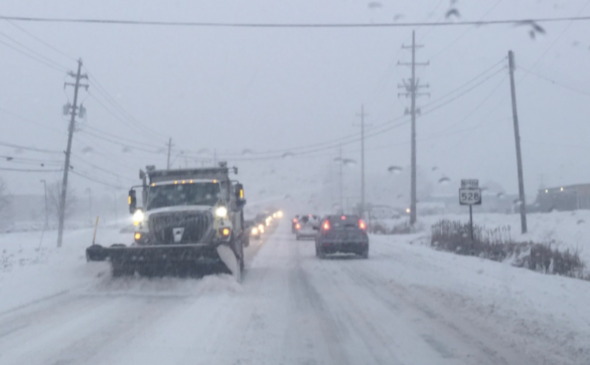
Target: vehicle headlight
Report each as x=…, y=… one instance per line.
x=261, y=228
x=221, y=212
x=138, y=217
x=254, y=230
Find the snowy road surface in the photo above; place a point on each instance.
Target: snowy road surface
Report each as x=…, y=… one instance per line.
x=406, y=304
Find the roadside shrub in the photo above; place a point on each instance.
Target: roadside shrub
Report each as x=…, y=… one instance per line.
x=399, y=228
x=497, y=245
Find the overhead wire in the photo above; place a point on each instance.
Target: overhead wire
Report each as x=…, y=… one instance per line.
x=294, y=25
x=41, y=40
x=27, y=170
x=33, y=57
x=381, y=128
x=129, y=118
x=34, y=149
x=465, y=32
x=95, y=180
x=547, y=79
x=30, y=121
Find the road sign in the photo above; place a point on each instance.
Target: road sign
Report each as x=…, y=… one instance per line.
x=470, y=184
x=470, y=196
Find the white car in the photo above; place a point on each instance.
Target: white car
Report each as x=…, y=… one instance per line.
x=305, y=227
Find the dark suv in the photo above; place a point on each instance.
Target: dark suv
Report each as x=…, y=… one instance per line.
x=342, y=234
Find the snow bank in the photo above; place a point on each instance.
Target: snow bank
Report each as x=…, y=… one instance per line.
x=568, y=229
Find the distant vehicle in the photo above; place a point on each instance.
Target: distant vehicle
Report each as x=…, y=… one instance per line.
x=294, y=223
x=252, y=227
x=307, y=226
x=342, y=234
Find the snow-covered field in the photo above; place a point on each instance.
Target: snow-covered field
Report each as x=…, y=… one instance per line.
x=406, y=304
x=568, y=229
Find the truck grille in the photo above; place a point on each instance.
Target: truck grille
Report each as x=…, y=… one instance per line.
x=194, y=225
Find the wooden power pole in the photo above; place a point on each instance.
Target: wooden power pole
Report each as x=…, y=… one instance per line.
x=522, y=200
x=64, y=185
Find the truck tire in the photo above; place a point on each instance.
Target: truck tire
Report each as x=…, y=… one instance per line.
x=365, y=254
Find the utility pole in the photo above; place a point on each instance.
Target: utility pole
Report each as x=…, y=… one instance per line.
x=169, y=145
x=412, y=86
x=73, y=112
x=522, y=200
x=340, y=176
x=46, y=209
x=362, y=115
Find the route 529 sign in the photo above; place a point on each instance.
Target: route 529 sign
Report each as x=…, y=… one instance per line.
x=470, y=196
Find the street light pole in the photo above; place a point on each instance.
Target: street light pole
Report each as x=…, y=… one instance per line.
x=46, y=211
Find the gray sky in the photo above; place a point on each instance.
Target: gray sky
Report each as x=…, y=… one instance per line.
x=273, y=89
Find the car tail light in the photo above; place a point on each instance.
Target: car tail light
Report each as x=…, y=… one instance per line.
x=343, y=217
x=362, y=225
x=326, y=226
x=294, y=220
x=298, y=226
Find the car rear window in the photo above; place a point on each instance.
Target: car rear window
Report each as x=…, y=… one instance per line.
x=344, y=221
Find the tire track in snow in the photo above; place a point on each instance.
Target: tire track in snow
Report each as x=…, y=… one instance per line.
x=418, y=299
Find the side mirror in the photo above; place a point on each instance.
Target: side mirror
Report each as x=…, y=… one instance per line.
x=132, y=200
x=240, y=198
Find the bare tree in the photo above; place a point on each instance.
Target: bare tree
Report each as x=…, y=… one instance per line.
x=53, y=200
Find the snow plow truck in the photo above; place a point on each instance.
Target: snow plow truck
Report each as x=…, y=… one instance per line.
x=191, y=221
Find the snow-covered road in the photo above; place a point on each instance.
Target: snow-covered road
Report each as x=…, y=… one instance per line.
x=404, y=305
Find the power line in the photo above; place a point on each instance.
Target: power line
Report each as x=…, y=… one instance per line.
x=126, y=140
x=29, y=148
x=127, y=145
x=30, y=161
x=376, y=130
x=97, y=181
x=33, y=57
x=555, y=82
x=461, y=94
x=41, y=41
x=27, y=170
x=100, y=168
x=475, y=78
x=120, y=109
x=108, y=157
x=465, y=32
x=521, y=21
x=41, y=56
x=55, y=130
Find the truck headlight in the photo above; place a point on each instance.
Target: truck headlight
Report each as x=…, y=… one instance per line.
x=138, y=217
x=221, y=212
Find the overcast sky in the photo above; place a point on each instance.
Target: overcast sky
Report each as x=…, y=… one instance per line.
x=236, y=89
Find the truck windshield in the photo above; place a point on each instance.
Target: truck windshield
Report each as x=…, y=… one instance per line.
x=161, y=196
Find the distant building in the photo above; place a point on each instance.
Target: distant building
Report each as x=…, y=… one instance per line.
x=569, y=197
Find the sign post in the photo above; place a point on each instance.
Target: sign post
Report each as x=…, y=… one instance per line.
x=470, y=194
